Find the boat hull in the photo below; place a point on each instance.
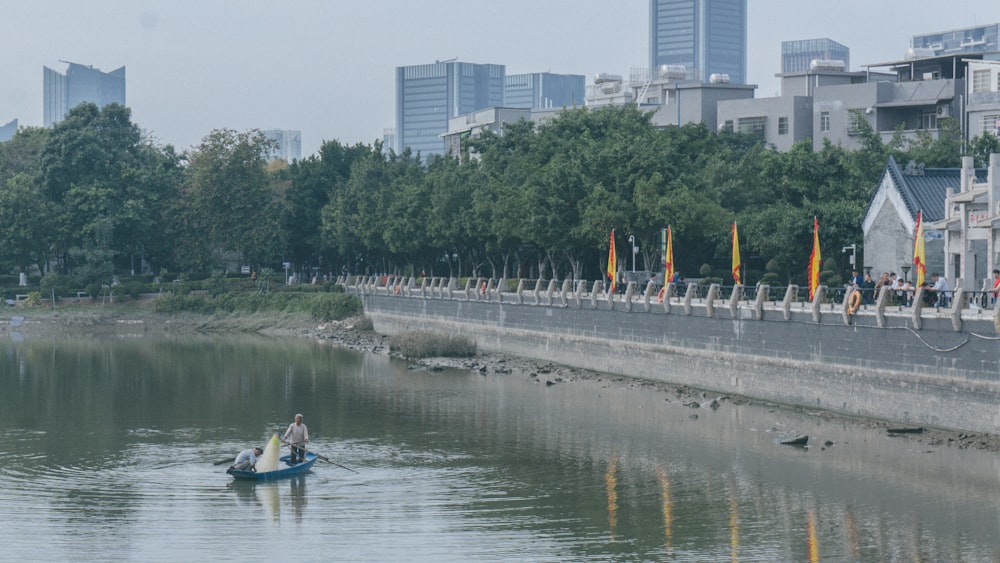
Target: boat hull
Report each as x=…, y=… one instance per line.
x=284, y=470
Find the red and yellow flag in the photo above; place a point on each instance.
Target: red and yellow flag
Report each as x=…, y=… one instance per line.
x=919, y=256
x=613, y=264
x=668, y=257
x=737, y=263
x=815, y=261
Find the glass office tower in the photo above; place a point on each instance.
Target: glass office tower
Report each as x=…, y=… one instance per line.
x=705, y=36
x=796, y=56
x=7, y=131
x=541, y=90
x=64, y=92
x=979, y=39
x=428, y=95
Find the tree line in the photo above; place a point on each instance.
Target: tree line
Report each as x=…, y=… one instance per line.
x=93, y=198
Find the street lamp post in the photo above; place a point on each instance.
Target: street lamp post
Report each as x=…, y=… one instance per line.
x=906, y=270
x=854, y=254
x=635, y=250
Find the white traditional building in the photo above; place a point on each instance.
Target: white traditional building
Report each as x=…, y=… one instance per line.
x=961, y=211
x=971, y=226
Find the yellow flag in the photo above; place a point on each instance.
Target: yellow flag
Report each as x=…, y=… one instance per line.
x=919, y=256
x=668, y=258
x=613, y=264
x=815, y=261
x=736, y=256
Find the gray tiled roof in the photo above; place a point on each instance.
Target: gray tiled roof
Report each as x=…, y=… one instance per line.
x=926, y=191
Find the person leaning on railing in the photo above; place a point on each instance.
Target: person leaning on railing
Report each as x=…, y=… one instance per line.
x=996, y=287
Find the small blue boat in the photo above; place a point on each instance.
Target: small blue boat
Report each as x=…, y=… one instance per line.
x=283, y=470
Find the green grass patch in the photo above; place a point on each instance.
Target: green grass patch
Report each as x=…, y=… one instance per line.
x=423, y=344
x=318, y=306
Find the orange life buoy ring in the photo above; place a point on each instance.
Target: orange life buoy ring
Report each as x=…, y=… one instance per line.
x=661, y=295
x=854, y=303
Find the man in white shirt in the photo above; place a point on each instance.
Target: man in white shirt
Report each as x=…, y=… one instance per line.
x=297, y=436
x=941, y=288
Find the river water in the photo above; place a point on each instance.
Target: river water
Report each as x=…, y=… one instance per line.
x=107, y=448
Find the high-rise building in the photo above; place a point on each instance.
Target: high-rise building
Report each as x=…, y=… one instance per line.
x=7, y=131
x=428, y=95
x=288, y=144
x=80, y=84
x=544, y=90
x=705, y=36
x=797, y=56
x=979, y=39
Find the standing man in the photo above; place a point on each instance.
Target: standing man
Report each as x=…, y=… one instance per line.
x=297, y=436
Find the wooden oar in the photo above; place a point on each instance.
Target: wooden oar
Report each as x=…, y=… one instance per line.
x=228, y=460
x=321, y=456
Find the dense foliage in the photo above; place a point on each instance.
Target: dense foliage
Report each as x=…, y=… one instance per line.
x=92, y=198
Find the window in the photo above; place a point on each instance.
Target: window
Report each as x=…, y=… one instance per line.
x=990, y=124
x=824, y=121
x=782, y=125
x=855, y=117
x=981, y=80
x=753, y=126
x=728, y=126
x=928, y=120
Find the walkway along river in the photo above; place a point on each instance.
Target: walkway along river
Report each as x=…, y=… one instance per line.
x=915, y=366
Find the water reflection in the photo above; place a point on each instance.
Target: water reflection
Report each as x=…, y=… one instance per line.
x=273, y=497
x=110, y=443
x=610, y=484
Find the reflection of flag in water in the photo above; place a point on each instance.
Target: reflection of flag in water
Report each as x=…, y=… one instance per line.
x=613, y=264
x=814, y=261
x=736, y=255
x=668, y=256
x=919, y=256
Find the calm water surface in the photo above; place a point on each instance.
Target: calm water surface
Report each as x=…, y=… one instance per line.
x=106, y=451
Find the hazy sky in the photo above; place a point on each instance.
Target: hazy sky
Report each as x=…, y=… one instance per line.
x=327, y=67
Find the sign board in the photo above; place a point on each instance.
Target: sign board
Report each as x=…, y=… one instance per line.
x=978, y=215
x=244, y=269
x=286, y=265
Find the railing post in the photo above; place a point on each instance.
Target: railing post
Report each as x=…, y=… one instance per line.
x=710, y=300
x=817, y=302
x=734, y=300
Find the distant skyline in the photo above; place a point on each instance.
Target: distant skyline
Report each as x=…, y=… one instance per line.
x=327, y=67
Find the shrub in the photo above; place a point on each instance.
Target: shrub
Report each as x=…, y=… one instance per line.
x=217, y=284
x=55, y=284
x=134, y=288
x=334, y=306
x=423, y=344
x=365, y=323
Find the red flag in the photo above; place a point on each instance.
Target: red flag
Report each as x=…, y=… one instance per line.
x=613, y=264
x=815, y=261
x=919, y=256
x=737, y=263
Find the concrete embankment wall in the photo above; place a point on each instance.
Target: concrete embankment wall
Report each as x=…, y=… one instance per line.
x=935, y=376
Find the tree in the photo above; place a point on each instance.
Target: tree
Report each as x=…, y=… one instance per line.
x=103, y=185
x=234, y=205
x=982, y=146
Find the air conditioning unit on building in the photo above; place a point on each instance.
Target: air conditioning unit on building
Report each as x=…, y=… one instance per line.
x=943, y=110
